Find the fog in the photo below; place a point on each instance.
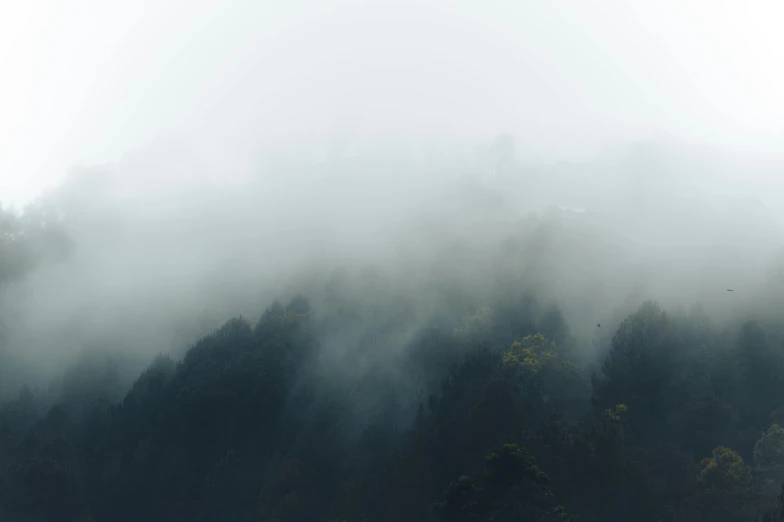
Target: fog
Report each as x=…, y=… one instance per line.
x=370, y=260
x=202, y=168
x=155, y=265
x=87, y=83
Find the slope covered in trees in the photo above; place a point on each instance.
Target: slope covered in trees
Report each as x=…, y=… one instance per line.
x=444, y=363
x=478, y=417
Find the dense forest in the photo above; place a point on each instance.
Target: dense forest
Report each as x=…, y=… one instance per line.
x=391, y=261
x=488, y=418
x=457, y=391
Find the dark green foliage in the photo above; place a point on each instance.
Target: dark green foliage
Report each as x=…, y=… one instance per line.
x=40, y=489
x=510, y=465
x=659, y=376
x=776, y=514
x=724, y=487
x=769, y=458
x=512, y=488
x=642, y=360
x=365, y=412
x=759, y=368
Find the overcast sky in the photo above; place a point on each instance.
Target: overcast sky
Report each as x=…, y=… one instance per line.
x=88, y=81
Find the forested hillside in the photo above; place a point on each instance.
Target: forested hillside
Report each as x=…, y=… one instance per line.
x=482, y=416
x=465, y=351
x=391, y=261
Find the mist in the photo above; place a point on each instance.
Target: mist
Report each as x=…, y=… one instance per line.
x=362, y=216
x=157, y=263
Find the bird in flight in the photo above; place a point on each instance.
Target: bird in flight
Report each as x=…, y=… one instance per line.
x=598, y=325
x=730, y=290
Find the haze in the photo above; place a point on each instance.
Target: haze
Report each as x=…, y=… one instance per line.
x=428, y=186
x=356, y=119
x=86, y=82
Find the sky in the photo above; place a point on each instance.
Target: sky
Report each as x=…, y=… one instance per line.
x=90, y=82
